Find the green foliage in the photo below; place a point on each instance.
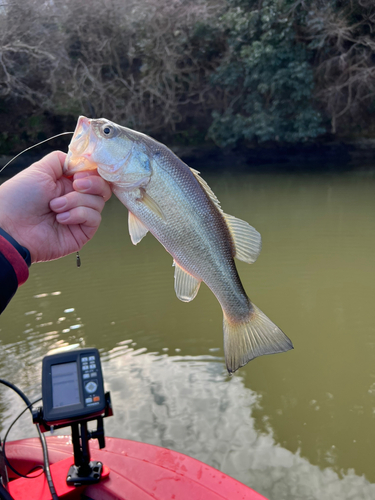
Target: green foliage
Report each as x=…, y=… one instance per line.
x=187, y=71
x=268, y=76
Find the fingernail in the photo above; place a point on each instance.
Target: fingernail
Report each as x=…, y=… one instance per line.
x=80, y=175
x=63, y=217
x=82, y=184
x=58, y=203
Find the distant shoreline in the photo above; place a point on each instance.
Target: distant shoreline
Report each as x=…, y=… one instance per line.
x=309, y=157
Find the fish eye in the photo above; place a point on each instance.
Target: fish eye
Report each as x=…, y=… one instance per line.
x=108, y=130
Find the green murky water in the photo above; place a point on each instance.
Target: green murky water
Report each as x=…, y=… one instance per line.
x=298, y=425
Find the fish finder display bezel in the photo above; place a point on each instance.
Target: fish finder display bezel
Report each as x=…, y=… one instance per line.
x=81, y=393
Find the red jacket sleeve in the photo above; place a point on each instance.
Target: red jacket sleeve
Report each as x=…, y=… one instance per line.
x=14, y=270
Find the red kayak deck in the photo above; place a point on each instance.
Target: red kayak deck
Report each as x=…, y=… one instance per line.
x=137, y=471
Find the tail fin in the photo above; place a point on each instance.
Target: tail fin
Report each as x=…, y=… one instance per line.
x=246, y=340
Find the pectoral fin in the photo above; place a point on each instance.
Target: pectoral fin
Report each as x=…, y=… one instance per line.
x=247, y=240
x=151, y=203
x=185, y=285
x=137, y=229
x=132, y=181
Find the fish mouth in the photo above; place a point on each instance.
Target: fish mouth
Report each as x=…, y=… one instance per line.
x=81, y=148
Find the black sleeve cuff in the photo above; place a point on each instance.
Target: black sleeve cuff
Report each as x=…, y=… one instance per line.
x=9, y=282
x=23, y=251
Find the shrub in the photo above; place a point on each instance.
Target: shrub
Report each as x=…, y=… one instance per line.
x=268, y=77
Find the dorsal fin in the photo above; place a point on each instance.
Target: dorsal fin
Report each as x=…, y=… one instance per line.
x=207, y=188
x=247, y=240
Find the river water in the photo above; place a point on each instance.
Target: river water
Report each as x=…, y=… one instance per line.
x=298, y=425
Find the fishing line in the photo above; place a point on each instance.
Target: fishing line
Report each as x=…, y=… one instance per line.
x=78, y=259
x=34, y=146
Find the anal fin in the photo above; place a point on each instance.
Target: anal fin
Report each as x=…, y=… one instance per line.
x=186, y=286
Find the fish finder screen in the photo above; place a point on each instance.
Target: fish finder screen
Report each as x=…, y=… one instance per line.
x=65, y=390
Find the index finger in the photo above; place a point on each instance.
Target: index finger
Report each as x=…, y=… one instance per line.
x=93, y=184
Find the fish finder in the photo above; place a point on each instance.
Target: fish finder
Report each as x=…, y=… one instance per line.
x=72, y=386
x=73, y=394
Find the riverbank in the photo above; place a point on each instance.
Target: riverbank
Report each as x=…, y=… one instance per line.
x=309, y=157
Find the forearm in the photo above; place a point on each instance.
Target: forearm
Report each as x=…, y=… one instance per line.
x=14, y=262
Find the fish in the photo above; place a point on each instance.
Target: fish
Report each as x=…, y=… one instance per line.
x=167, y=198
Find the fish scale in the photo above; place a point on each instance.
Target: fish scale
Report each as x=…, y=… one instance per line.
x=186, y=240
x=170, y=200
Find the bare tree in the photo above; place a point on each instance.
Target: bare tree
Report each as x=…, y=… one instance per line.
x=134, y=61
x=343, y=38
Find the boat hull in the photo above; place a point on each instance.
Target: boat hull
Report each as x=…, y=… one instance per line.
x=137, y=471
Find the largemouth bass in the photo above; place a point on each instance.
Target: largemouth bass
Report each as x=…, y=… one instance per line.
x=169, y=199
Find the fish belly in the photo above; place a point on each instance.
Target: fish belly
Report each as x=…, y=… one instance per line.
x=198, y=242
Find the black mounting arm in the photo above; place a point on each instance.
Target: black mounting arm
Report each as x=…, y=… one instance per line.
x=84, y=471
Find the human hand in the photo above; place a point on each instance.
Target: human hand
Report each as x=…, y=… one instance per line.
x=51, y=215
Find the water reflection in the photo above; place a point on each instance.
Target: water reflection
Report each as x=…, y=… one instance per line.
x=293, y=426
x=189, y=404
